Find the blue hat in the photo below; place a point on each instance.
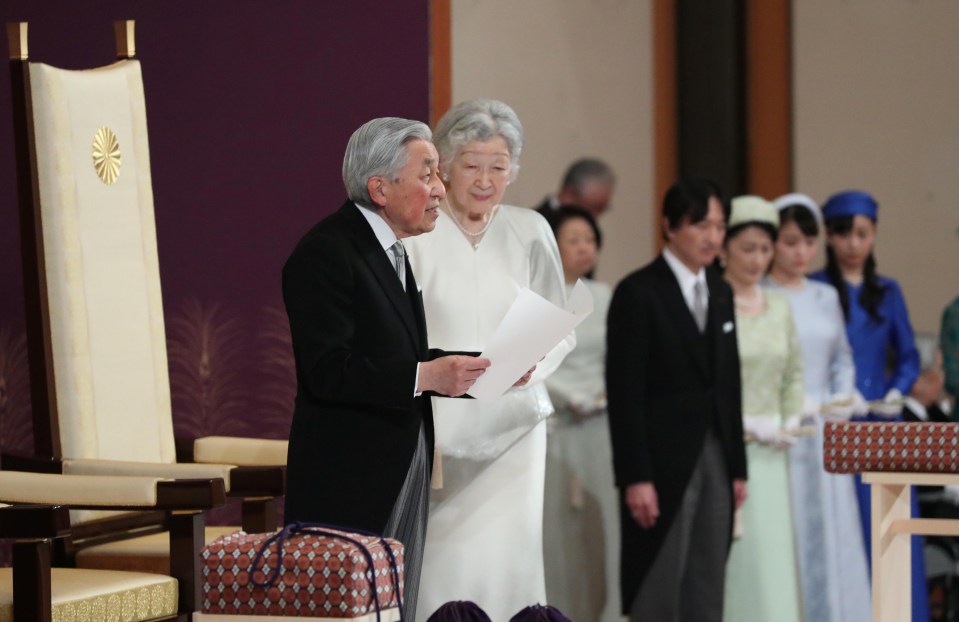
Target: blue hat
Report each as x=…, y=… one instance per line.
x=850, y=203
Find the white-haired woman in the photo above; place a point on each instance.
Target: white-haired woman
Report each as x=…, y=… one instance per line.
x=484, y=541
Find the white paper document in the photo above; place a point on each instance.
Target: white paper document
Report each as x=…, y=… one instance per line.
x=531, y=328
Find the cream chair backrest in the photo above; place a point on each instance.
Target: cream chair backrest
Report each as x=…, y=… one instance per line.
x=99, y=260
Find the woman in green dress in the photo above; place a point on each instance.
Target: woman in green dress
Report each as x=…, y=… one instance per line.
x=762, y=578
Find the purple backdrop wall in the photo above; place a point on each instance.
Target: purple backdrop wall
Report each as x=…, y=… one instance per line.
x=250, y=104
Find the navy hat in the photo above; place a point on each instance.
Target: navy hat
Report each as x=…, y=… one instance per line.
x=850, y=203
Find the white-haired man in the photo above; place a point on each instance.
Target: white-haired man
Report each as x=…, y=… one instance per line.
x=361, y=441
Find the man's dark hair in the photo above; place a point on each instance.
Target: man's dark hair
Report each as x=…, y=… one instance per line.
x=688, y=201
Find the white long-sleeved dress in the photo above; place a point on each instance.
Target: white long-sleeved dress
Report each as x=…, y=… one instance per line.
x=484, y=540
x=834, y=572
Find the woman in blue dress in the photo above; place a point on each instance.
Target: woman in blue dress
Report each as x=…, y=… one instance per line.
x=834, y=574
x=880, y=334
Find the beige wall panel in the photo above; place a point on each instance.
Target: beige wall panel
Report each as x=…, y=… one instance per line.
x=876, y=92
x=579, y=75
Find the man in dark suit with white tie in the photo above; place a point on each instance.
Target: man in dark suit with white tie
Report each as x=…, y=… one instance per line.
x=361, y=442
x=673, y=388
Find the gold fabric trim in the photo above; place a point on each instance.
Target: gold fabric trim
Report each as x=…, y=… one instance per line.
x=134, y=605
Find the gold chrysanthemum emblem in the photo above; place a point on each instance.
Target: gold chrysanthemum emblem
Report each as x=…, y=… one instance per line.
x=106, y=155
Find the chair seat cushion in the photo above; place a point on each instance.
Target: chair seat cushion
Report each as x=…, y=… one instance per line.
x=92, y=595
x=319, y=576
x=860, y=446
x=143, y=554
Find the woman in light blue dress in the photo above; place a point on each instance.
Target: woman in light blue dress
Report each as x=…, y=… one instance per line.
x=879, y=331
x=834, y=573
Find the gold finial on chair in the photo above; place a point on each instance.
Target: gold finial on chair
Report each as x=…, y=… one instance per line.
x=17, y=39
x=126, y=44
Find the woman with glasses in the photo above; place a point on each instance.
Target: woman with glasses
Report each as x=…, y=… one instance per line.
x=485, y=537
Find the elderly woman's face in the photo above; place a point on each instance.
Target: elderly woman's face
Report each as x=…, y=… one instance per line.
x=478, y=175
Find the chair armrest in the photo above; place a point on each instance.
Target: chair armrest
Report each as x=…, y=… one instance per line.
x=254, y=481
x=16, y=461
x=34, y=521
x=123, y=468
x=239, y=451
x=111, y=493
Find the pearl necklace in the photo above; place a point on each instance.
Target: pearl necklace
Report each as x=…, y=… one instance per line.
x=472, y=234
x=750, y=305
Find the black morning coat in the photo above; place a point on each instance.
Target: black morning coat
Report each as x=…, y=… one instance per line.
x=667, y=384
x=357, y=338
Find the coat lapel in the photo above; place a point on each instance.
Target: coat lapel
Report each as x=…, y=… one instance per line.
x=379, y=263
x=676, y=307
x=718, y=300
x=419, y=312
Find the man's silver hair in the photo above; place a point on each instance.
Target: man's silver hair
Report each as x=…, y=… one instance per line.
x=479, y=119
x=585, y=170
x=378, y=149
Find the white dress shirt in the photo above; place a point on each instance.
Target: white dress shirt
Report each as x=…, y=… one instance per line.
x=687, y=278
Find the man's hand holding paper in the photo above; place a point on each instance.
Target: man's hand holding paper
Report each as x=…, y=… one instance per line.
x=530, y=329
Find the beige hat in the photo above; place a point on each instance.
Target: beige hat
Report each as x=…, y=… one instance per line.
x=750, y=208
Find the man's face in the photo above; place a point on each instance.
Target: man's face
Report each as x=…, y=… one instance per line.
x=697, y=244
x=410, y=201
x=593, y=196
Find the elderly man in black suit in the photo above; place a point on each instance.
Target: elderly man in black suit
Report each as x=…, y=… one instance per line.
x=588, y=183
x=361, y=441
x=673, y=388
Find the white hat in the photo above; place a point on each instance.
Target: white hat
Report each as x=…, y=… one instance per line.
x=798, y=198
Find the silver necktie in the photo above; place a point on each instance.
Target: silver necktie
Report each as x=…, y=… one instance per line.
x=399, y=262
x=700, y=305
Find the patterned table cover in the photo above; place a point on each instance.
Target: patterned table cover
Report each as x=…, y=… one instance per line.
x=322, y=576
x=861, y=446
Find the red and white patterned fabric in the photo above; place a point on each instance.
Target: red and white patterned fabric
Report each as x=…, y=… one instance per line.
x=321, y=576
x=861, y=446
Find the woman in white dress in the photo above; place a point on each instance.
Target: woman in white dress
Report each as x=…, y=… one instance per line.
x=581, y=518
x=832, y=560
x=484, y=541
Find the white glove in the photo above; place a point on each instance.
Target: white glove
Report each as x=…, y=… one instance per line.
x=890, y=406
x=767, y=431
x=860, y=407
x=840, y=407
x=810, y=410
x=951, y=493
x=586, y=408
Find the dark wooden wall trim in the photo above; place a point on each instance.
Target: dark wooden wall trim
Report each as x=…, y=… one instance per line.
x=733, y=67
x=769, y=97
x=665, y=117
x=441, y=72
x=710, y=79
